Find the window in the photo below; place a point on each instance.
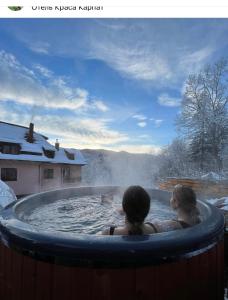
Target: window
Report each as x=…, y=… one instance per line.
x=48, y=173
x=8, y=148
x=69, y=175
x=9, y=174
x=49, y=153
x=69, y=155
x=30, y=153
x=66, y=173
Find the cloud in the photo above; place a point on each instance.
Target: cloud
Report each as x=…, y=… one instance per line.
x=39, y=86
x=192, y=62
x=158, y=123
x=152, y=51
x=144, y=136
x=72, y=131
x=40, y=47
x=142, y=124
x=100, y=105
x=142, y=120
x=166, y=100
x=156, y=52
x=139, y=117
x=43, y=71
x=137, y=62
x=56, y=108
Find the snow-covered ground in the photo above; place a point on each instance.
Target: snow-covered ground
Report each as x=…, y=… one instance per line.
x=6, y=195
x=212, y=176
x=221, y=203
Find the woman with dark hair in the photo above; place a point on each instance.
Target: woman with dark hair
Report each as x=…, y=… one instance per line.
x=136, y=205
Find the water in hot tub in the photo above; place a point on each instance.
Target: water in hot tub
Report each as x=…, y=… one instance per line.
x=87, y=214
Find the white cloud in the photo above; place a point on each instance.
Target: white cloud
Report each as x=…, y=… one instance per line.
x=142, y=124
x=135, y=62
x=25, y=86
x=71, y=131
x=38, y=101
x=158, y=123
x=144, y=136
x=40, y=47
x=154, y=51
x=166, y=100
x=43, y=71
x=193, y=61
x=79, y=133
x=139, y=117
x=100, y=105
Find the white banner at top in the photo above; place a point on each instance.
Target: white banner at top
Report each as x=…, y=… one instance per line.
x=120, y=3
x=114, y=9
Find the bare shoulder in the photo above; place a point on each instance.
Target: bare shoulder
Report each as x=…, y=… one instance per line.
x=149, y=228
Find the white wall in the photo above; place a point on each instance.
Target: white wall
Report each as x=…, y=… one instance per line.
x=30, y=176
x=27, y=177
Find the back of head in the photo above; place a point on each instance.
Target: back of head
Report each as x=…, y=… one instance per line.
x=136, y=205
x=186, y=199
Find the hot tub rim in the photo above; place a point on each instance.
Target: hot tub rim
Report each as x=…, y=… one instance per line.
x=90, y=250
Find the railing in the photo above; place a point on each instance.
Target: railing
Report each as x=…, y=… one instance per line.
x=206, y=187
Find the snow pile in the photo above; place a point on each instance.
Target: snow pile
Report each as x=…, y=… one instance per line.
x=212, y=176
x=6, y=195
x=221, y=203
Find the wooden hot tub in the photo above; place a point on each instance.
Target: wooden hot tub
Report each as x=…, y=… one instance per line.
x=180, y=265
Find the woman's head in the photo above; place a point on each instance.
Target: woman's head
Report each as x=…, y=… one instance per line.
x=136, y=204
x=183, y=198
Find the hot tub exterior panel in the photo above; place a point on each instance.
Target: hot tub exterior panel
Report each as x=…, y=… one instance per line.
x=181, y=265
x=198, y=277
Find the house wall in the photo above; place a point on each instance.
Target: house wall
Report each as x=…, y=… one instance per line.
x=75, y=172
x=30, y=177
x=27, y=177
x=52, y=183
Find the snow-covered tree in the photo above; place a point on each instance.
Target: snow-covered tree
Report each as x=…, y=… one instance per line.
x=204, y=119
x=174, y=161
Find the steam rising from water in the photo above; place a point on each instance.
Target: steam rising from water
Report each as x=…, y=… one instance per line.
x=113, y=168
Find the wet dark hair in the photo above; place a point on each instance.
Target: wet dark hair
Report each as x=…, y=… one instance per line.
x=136, y=205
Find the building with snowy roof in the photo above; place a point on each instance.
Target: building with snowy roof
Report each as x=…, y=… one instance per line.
x=30, y=164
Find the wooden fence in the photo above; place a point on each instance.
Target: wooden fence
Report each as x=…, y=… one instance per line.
x=207, y=188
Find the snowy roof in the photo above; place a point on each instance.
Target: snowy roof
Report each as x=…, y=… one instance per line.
x=12, y=133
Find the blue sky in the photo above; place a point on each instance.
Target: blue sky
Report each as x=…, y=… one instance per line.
x=103, y=83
